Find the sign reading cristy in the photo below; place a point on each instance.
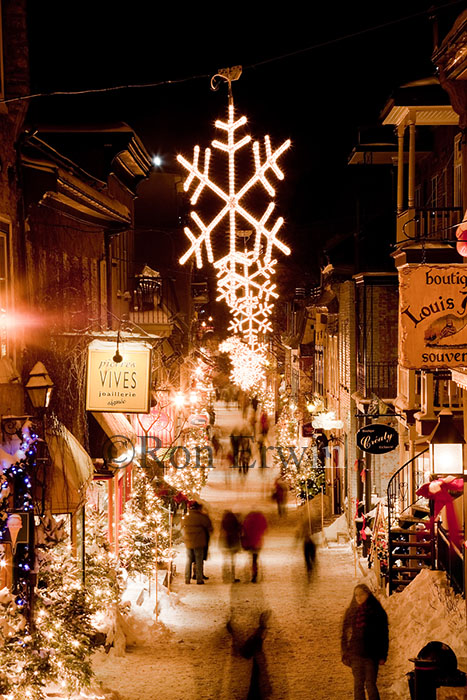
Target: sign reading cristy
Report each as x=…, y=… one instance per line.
x=433, y=316
x=377, y=438
x=118, y=387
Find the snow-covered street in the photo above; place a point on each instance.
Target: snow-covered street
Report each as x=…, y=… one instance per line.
x=193, y=657
x=189, y=652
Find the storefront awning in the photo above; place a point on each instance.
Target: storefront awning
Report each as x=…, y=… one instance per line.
x=71, y=471
x=114, y=424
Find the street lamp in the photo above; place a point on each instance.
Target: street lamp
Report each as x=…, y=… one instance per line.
x=39, y=386
x=446, y=447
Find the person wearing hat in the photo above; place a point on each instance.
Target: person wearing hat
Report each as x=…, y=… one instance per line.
x=196, y=528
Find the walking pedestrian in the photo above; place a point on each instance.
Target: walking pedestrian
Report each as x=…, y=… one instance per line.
x=365, y=641
x=259, y=686
x=244, y=453
x=262, y=437
x=235, y=443
x=305, y=534
x=254, y=529
x=196, y=528
x=280, y=494
x=229, y=540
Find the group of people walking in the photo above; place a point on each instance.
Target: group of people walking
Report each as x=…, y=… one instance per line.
x=364, y=638
x=234, y=536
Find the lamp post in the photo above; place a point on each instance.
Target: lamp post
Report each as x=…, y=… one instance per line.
x=446, y=458
x=446, y=447
x=39, y=387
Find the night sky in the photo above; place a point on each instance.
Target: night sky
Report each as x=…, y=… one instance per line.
x=318, y=97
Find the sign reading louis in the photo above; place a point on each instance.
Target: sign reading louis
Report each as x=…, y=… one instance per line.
x=433, y=316
x=118, y=387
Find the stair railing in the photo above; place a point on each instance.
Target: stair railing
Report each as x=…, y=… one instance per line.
x=398, y=494
x=398, y=490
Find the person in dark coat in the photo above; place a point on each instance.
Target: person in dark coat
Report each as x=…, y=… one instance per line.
x=229, y=540
x=280, y=494
x=305, y=533
x=252, y=648
x=365, y=641
x=254, y=529
x=196, y=527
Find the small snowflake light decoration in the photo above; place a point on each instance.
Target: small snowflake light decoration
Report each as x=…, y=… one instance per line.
x=248, y=365
x=244, y=276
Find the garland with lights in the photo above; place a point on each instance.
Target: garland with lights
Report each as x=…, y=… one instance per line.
x=15, y=481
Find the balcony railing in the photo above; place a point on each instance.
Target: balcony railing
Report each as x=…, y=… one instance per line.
x=378, y=378
x=428, y=223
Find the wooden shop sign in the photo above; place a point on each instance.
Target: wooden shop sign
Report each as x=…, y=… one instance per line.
x=433, y=316
x=377, y=438
x=118, y=387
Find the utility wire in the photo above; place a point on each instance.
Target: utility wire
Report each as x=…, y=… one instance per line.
x=258, y=64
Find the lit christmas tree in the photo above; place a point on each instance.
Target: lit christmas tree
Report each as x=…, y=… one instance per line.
x=194, y=463
x=144, y=531
x=104, y=576
x=57, y=648
x=300, y=466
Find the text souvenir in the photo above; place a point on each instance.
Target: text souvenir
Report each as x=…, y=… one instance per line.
x=433, y=316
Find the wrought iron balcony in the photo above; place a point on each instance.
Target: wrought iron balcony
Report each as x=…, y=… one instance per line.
x=434, y=223
x=378, y=378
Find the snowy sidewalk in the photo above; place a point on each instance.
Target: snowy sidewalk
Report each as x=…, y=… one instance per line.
x=192, y=658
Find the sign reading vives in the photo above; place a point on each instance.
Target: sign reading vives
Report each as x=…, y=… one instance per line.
x=433, y=316
x=118, y=387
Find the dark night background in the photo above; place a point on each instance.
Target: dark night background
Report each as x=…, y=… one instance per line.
x=318, y=97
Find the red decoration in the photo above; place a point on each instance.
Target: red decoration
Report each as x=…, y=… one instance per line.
x=461, y=235
x=362, y=531
x=439, y=492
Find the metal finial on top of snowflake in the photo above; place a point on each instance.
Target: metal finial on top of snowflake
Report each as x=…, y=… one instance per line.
x=244, y=276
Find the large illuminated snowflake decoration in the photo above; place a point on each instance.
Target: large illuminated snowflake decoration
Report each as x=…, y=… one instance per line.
x=244, y=276
x=248, y=365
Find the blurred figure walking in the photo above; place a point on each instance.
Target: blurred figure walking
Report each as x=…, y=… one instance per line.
x=305, y=534
x=260, y=686
x=262, y=437
x=229, y=541
x=254, y=529
x=280, y=494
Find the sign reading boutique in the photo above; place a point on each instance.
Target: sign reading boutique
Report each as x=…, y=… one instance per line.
x=118, y=387
x=377, y=438
x=433, y=316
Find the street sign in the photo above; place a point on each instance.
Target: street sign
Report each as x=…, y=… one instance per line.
x=199, y=421
x=377, y=438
